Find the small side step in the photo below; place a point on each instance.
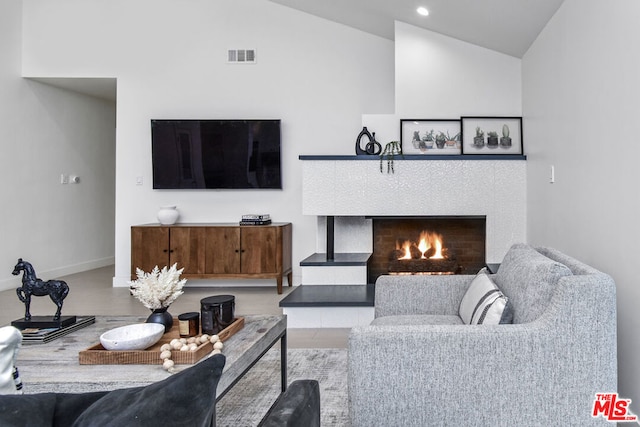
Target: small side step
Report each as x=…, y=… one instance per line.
x=340, y=259
x=329, y=306
x=343, y=268
x=330, y=296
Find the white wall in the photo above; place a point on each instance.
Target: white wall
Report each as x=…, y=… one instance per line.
x=438, y=77
x=170, y=60
x=441, y=77
x=60, y=229
x=580, y=101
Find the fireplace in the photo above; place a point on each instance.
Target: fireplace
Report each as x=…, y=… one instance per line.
x=427, y=245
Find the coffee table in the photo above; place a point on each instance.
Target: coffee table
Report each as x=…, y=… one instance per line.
x=54, y=367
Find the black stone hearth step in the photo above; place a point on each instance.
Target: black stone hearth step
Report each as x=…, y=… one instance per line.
x=340, y=259
x=330, y=296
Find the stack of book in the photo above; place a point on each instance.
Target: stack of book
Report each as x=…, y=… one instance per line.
x=255, y=219
x=44, y=335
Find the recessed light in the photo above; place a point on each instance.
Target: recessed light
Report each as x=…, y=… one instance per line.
x=422, y=11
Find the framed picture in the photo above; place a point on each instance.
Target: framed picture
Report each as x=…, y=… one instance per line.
x=492, y=135
x=430, y=137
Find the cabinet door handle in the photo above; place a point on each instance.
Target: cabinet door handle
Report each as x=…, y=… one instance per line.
x=165, y=251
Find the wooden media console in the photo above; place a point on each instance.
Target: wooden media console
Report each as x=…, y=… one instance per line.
x=215, y=251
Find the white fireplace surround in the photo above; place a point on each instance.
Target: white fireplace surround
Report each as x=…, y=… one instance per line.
x=351, y=189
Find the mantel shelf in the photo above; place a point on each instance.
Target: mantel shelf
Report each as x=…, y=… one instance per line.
x=419, y=157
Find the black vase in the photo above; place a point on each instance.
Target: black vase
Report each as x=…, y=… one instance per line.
x=365, y=132
x=373, y=147
x=162, y=316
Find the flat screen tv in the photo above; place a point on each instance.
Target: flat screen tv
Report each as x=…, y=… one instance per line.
x=216, y=154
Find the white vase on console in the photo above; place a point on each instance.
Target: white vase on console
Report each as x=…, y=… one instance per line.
x=168, y=215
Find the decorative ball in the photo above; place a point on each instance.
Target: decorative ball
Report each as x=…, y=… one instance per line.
x=190, y=344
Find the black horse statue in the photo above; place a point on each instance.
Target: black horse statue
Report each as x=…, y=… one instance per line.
x=31, y=285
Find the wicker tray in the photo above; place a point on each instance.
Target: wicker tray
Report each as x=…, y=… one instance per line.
x=97, y=355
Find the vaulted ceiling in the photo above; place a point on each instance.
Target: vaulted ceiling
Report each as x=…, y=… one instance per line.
x=507, y=26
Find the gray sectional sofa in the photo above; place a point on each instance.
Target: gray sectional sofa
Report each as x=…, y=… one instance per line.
x=418, y=364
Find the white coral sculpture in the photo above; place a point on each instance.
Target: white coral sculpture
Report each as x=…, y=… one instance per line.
x=159, y=288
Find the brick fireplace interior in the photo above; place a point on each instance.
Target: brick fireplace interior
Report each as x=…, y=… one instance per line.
x=461, y=247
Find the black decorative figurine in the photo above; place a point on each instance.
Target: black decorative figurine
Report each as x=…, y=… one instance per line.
x=374, y=147
x=31, y=285
x=364, y=133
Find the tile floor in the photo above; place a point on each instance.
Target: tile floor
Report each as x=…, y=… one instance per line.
x=91, y=292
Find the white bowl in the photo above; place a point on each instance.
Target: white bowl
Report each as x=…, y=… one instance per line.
x=132, y=337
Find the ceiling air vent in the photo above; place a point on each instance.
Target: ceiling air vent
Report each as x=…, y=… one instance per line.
x=241, y=56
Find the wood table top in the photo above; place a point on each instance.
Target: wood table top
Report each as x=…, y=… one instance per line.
x=54, y=366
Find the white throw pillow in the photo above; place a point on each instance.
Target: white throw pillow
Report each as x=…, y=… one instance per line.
x=10, y=341
x=484, y=303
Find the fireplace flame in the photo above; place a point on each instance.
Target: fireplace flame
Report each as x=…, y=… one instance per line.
x=437, y=245
x=424, y=244
x=406, y=250
x=429, y=246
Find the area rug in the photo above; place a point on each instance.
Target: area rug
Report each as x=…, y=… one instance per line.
x=247, y=402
